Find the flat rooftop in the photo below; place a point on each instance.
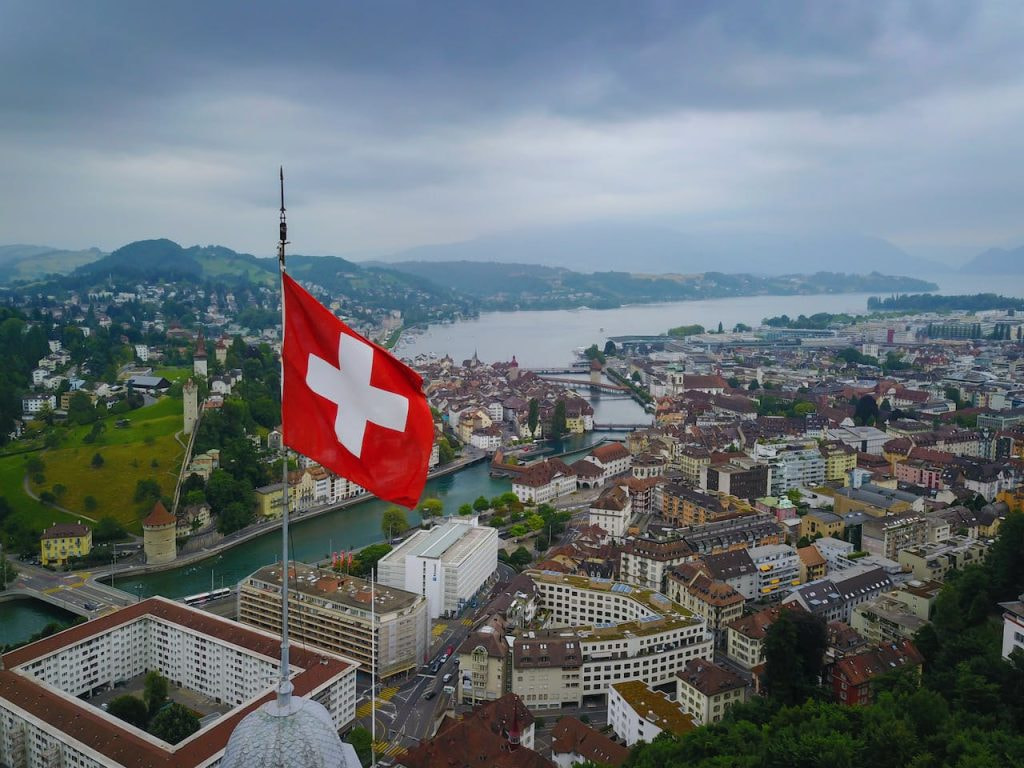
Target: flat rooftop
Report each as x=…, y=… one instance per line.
x=655, y=707
x=346, y=591
x=656, y=602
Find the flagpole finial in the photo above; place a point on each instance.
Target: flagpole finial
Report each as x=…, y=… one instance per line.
x=283, y=227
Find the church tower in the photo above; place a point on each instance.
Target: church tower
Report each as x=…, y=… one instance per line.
x=199, y=359
x=190, y=395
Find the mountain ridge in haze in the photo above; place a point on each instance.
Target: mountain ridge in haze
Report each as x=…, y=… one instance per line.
x=997, y=261
x=658, y=249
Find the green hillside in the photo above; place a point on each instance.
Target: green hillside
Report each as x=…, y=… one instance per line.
x=27, y=263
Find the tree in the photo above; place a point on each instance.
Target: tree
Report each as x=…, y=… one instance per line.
x=793, y=648
x=481, y=504
x=720, y=328
x=394, y=522
x=558, y=421
x=445, y=451
x=174, y=723
x=431, y=507
x=866, y=411
x=154, y=691
x=97, y=460
x=753, y=385
x=90, y=503
x=534, y=522
x=520, y=558
x=361, y=741
x=8, y=573
x=609, y=348
x=108, y=529
x=234, y=517
x=147, y=491
x=533, y=417
x=131, y=709
x=465, y=509
x=794, y=495
x=366, y=559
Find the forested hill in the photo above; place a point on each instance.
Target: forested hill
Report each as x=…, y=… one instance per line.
x=930, y=302
x=530, y=286
x=155, y=261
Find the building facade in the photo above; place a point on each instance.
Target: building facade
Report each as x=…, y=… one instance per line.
x=332, y=611
x=447, y=564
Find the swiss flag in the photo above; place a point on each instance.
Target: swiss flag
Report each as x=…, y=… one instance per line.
x=350, y=405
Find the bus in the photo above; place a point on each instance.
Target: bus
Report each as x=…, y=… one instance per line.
x=204, y=597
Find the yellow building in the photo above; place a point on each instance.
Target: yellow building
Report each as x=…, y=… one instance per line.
x=62, y=541
x=819, y=522
x=840, y=458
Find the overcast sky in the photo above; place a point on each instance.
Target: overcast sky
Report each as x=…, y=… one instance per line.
x=402, y=124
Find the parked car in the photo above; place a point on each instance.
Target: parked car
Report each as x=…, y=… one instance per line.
x=434, y=667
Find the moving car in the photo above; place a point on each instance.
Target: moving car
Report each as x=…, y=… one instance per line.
x=429, y=695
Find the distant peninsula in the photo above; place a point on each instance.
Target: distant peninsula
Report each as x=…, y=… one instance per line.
x=504, y=286
x=930, y=302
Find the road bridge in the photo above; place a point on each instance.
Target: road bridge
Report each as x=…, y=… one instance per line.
x=587, y=384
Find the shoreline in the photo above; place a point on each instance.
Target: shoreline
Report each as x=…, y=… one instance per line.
x=263, y=528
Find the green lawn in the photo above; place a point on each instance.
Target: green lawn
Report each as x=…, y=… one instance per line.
x=27, y=511
x=128, y=456
x=174, y=373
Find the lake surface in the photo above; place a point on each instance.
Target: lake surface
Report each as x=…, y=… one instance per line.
x=547, y=338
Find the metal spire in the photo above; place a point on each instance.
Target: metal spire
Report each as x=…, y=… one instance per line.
x=284, y=689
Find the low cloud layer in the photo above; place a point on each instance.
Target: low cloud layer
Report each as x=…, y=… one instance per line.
x=401, y=124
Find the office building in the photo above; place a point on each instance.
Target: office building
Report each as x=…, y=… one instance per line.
x=446, y=564
x=332, y=611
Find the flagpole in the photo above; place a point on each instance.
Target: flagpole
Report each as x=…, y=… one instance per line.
x=373, y=675
x=284, y=690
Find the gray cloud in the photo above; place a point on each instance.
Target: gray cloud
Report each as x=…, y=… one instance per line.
x=407, y=123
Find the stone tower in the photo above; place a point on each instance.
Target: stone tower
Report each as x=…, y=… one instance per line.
x=190, y=395
x=199, y=358
x=158, y=535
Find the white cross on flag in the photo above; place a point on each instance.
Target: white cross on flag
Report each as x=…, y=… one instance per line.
x=350, y=405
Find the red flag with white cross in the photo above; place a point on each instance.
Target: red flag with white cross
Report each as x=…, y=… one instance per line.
x=350, y=405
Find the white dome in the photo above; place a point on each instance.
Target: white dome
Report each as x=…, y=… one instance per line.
x=302, y=735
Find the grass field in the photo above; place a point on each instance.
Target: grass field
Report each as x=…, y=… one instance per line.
x=27, y=511
x=144, y=450
x=175, y=373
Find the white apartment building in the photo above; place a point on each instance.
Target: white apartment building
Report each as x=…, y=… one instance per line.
x=705, y=691
x=625, y=633
x=1013, y=626
x=645, y=561
x=835, y=597
x=612, y=510
x=636, y=713
x=446, y=564
x=33, y=404
x=777, y=569
x=46, y=718
x=793, y=466
x=332, y=611
x=613, y=459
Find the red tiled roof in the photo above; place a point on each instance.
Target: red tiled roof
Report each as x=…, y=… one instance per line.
x=609, y=452
x=65, y=530
x=571, y=736
x=159, y=516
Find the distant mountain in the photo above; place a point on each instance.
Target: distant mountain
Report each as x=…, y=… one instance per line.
x=358, y=287
x=25, y=263
x=164, y=259
x=997, y=261
x=641, y=248
x=530, y=286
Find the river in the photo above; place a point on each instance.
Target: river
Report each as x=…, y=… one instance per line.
x=20, y=619
x=313, y=539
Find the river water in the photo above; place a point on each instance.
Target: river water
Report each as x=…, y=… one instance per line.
x=537, y=339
